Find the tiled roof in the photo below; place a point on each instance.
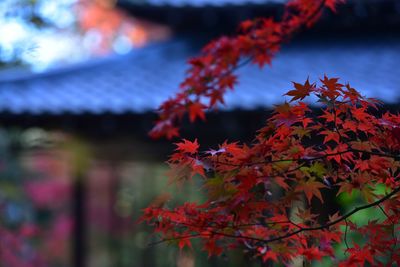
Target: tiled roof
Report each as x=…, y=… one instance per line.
x=221, y=3
x=140, y=81
x=200, y=3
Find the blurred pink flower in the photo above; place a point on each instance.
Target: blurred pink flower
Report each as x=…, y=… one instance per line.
x=58, y=237
x=48, y=193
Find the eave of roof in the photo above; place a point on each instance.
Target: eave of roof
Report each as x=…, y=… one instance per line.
x=142, y=80
x=200, y=3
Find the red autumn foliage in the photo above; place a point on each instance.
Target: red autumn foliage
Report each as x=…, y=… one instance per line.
x=297, y=157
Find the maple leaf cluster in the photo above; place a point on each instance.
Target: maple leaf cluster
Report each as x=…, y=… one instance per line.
x=261, y=196
x=252, y=189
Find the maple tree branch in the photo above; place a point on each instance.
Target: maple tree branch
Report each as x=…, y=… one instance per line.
x=295, y=224
x=288, y=31
x=385, y=213
x=395, y=157
x=246, y=61
x=233, y=226
x=321, y=227
x=283, y=160
x=301, y=229
x=342, y=218
x=393, y=231
x=280, y=174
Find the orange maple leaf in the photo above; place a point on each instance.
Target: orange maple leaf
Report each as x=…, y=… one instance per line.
x=301, y=90
x=310, y=189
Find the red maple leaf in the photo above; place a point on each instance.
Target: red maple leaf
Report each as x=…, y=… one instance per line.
x=212, y=248
x=312, y=253
x=332, y=4
x=187, y=146
x=196, y=110
x=396, y=133
x=331, y=136
x=184, y=242
x=253, y=188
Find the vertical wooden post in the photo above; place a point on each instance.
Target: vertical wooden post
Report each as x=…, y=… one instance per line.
x=79, y=239
x=80, y=157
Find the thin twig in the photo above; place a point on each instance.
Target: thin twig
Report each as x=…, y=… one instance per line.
x=174, y=239
x=393, y=232
x=345, y=235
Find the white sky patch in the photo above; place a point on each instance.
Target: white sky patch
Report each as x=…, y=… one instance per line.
x=59, y=41
x=13, y=31
x=51, y=48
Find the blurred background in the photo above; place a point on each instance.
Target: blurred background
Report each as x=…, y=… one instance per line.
x=79, y=83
